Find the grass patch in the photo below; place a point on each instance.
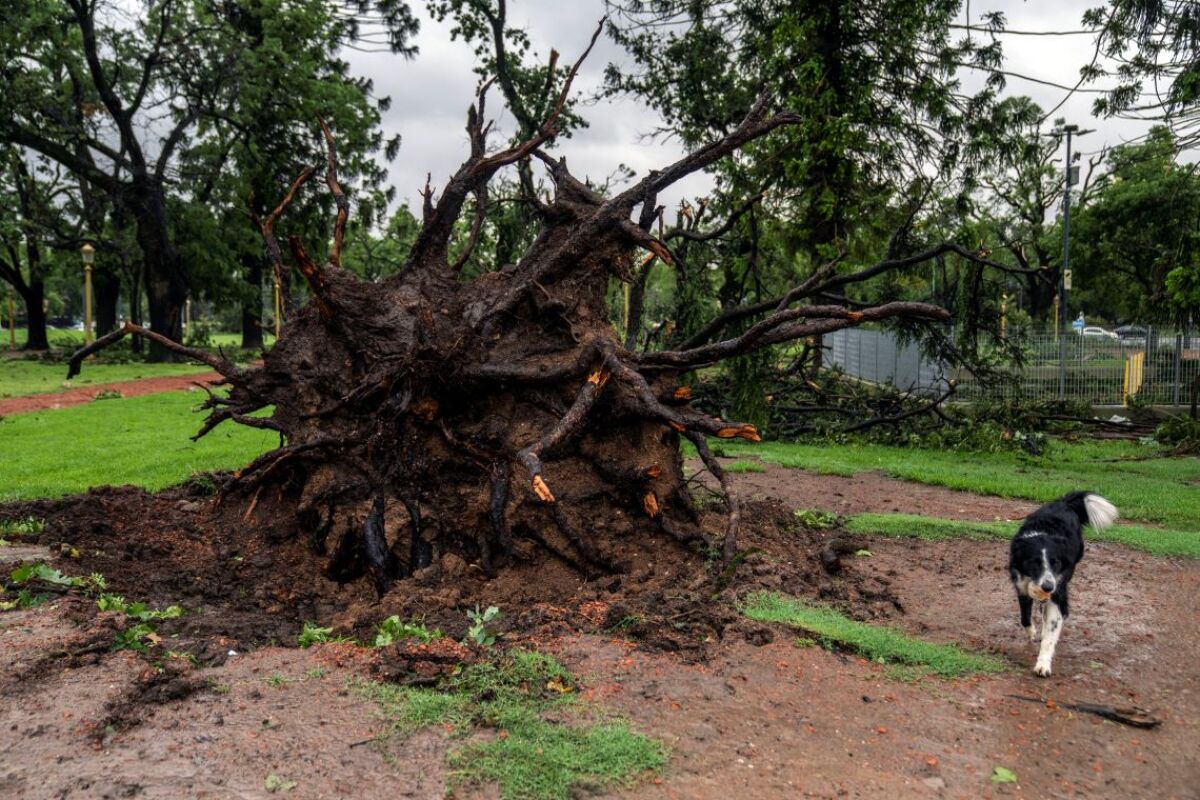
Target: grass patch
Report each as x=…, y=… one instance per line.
x=745, y=465
x=878, y=643
x=530, y=756
x=139, y=440
x=1156, y=541
x=1133, y=476
x=21, y=377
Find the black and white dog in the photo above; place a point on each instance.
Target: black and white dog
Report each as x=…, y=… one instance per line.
x=1043, y=557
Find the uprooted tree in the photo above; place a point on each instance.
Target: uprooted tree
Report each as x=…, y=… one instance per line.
x=428, y=413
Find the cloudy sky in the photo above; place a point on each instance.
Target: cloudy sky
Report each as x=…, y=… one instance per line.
x=431, y=92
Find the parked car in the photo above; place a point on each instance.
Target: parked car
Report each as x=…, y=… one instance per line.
x=1094, y=331
x=1131, y=332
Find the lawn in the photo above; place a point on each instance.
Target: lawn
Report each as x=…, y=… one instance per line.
x=1143, y=485
x=140, y=440
x=20, y=377
x=1156, y=541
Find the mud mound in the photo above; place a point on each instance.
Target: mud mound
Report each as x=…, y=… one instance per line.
x=246, y=582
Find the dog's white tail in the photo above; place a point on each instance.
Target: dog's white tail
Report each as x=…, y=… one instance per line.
x=1101, y=513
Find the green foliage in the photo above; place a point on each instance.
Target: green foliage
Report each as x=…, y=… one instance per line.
x=480, y=631
x=274, y=783
x=40, y=572
x=139, y=611
x=133, y=637
x=1156, y=541
x=814, y=519
x=1137, y=241
x=531, y=756
x=393, y=630
x=16, y=528
x=1003, y=775
x=880, y=644
x=139, y=440
x=1181, y=433
x=312, y=634
x=24, y=599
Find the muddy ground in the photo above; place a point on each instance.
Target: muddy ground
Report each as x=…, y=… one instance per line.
x=745, y=712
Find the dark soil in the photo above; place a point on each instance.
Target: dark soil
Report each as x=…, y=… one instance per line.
x=247, y=584
x=746, y=712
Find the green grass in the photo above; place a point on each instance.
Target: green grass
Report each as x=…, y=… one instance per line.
x=745, y=465
x=542, y=741
x=20, y=377
x=1155, y=541
x=878, y=643
x=139, y=440
x=57, y=336
x=1161, y=490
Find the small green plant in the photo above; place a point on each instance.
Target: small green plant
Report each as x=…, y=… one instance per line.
x=393, y=630
x=315, y=673
x=133, y=638
x=139, y=611
x=24, y=599
x=274, y=783
x=219, y=687
x=1003, y=775
x=312, y=634
x=814, y=519
x=277, y=681
x=480, y=631
x=15, y=528
x=40, y=572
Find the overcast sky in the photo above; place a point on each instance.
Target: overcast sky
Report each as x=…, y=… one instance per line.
x=431, y=92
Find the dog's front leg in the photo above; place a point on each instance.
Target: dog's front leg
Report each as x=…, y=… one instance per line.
x=1026, y=604
x=1052, y=623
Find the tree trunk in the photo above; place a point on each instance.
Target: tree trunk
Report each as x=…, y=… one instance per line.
x=252, y=332
x=165, y=277
x=108, y=296
x=34, y=296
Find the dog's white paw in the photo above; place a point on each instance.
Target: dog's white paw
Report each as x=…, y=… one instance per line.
x=1042, y=669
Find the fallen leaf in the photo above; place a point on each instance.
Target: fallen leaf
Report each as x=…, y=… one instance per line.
x=1003, y=775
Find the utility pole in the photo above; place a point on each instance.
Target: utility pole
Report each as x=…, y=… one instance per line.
x=1070, y=178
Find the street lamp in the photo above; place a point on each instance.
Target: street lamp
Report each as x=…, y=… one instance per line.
x=1070, y=177
x=89, y=257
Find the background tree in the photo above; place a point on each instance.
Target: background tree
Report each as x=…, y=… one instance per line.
x=1138, y=239
x=1156, y=46
x=116, y=103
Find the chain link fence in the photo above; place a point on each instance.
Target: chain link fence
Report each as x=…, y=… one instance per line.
x=1159, y=368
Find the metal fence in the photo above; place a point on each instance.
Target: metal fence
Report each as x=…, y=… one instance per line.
x=880, y=357
x=1159, y=368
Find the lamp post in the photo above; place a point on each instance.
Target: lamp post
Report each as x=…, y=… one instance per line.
x=89, y=257
x=1070, y=178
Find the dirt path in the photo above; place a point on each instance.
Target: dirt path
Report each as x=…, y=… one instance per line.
x=755, y=716
x=870, y=492
x=86, y=394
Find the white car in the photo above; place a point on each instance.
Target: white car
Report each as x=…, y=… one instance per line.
x=1094, y=331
